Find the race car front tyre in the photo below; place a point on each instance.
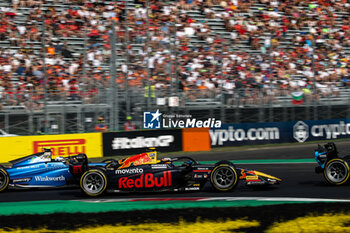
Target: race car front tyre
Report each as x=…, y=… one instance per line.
x=224, y=177
x=94, y=182
x=336, y=171
x=4, y=179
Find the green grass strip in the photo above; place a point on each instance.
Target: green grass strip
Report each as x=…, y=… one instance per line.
x=50, y=207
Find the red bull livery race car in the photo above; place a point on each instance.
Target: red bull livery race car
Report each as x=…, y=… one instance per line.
x=143, y=172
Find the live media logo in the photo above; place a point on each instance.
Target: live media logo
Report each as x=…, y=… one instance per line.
x=151, y=120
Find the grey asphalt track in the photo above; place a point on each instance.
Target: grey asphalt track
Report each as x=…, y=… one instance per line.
x=298, y=180
x=290, y=151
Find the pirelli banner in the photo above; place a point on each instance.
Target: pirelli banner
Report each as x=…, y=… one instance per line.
x=134, y=142
x=61, y=145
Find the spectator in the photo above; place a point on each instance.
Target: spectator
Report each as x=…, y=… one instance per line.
x=73, y=90
x=315, y=51
x=128, y=125
x=66, y=53
x=101, y=125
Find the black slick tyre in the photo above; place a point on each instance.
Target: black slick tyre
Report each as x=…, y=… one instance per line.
x=336, y=171
x=94, y=182
x=4, y=179
x=224, y=177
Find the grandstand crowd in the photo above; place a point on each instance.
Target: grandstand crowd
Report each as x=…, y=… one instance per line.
x=291, y=45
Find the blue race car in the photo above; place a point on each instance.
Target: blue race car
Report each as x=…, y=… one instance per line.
x=41, y=171
x=335, y=169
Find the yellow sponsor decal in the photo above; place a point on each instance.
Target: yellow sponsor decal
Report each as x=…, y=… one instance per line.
x=251, y=177
x=266, y=175
x=61, y=145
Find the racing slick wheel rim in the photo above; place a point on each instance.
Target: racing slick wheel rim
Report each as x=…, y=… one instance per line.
x=224, y=178
x=4, y=180
x=336, y=171
x=94, y=182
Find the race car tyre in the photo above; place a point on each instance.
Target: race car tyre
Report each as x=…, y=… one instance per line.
x=4, y=179
x=336, y=171
x=94, y=182
x=226, y=162
x=224, y=177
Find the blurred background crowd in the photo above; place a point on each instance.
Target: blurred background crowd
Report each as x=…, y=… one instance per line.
x=251, y=50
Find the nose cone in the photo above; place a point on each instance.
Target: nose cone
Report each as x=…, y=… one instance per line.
x=267, y=176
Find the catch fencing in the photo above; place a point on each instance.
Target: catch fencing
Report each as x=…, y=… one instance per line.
x=78, y=112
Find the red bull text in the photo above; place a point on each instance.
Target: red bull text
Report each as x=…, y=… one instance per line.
x=146, y=181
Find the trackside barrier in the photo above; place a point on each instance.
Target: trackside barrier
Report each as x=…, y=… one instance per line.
x=279, y=132
x=134, y=142
x=195, y=139
x=190, y=139
x=61, y=145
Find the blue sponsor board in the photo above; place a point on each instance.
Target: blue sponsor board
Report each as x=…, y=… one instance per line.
x=279, y=132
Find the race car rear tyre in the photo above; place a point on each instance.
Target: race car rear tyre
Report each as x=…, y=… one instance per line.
x=4, y=179
x=94, y=182
x=224, y=177
x=336, y=171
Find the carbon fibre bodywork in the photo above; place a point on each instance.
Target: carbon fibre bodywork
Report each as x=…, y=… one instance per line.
x=40, y=171
x=335, y=168
x=176, y=174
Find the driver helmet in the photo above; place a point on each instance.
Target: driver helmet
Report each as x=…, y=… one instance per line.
x=46, y=156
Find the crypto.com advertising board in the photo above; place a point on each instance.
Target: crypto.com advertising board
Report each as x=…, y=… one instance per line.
x=278, y=132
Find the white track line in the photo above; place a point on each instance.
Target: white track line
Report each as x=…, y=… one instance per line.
x=272, y=199
x=296, y=199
